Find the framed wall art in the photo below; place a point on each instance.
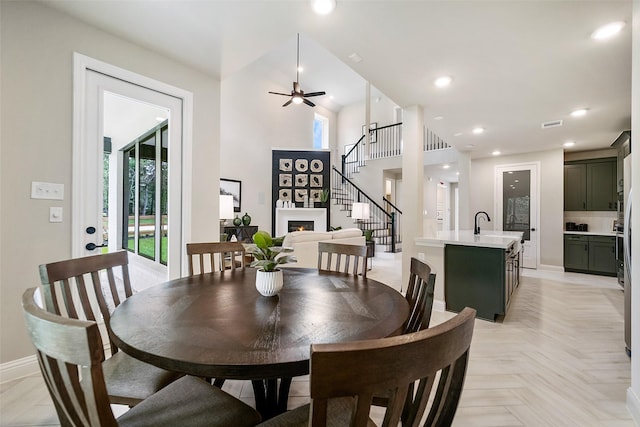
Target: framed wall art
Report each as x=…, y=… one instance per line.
x=233, y=188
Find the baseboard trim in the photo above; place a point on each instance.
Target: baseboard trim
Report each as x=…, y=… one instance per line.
x=549, y=267
x=18, y=368
x=633, y=405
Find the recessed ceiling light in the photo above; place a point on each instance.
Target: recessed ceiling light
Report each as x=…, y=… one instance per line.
x=478, y=131
x=331, y=96
x=300, y=69
x=607, y=31
x=445, y=166
x=457, y=173
x=323, y=7
x=438, y=118
x=443, y=81
x=496, y=153
x=569, y=144
x=458, y=134
x=579, y=113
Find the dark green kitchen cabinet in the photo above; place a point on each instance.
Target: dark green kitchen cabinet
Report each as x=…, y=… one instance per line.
x=576, y=252
x=601, y=186
x=602, y=255
x=590, y=254
x=575, y=187
x=590, y=185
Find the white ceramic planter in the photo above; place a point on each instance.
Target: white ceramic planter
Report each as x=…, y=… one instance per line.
x=269, y=283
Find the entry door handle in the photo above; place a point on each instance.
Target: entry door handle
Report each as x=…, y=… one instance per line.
x=92, y=246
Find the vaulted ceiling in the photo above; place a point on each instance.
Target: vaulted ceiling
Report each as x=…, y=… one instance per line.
x=514, y=64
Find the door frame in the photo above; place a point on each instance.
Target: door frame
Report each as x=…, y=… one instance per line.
x=535, y=192
x=81, y=65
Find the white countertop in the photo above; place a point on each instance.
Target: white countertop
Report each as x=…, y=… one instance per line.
x=488, y=239
x=592, y=233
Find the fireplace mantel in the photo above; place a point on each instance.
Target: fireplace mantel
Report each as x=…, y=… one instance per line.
x=284, y=215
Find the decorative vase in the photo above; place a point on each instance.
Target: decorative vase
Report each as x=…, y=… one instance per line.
x=269, y=283
x=237, y=221
x=246, y=219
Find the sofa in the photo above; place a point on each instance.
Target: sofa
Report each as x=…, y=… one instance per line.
x=305, y=244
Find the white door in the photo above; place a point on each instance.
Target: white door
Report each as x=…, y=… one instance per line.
x=516, y=196
x=154, y=235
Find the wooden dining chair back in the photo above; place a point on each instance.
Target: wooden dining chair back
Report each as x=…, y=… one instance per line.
x=68, y=350
x=435, y=359
x=419, y=295
x=73, y=287
x=70, y=354
x=90, y=288
x=215, y=256
x=343, y=258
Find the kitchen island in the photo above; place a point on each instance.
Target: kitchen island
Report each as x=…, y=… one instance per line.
x=480, y=271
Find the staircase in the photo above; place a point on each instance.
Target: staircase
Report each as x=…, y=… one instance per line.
x=384, y=221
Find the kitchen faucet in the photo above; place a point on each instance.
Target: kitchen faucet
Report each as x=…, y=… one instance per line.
x=476, y=227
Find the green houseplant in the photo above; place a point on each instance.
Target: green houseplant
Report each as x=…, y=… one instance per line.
x=267, y=258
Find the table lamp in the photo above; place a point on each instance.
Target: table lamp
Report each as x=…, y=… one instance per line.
x=226, y=210
x=360, y=210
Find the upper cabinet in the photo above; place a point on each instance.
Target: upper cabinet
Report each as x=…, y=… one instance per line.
x=590, y=185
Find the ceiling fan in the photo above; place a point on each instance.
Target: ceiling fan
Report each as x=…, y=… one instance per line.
x=297, y=95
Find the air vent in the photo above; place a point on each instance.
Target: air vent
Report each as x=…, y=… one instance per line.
x=553, y=124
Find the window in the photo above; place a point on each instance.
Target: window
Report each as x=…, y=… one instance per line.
x=320, y=132
x=145, y=196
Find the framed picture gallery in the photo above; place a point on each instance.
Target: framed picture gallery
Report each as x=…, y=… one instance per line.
x=232, y=187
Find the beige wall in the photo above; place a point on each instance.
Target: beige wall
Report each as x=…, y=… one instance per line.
x=551, y=179
x=37, y=45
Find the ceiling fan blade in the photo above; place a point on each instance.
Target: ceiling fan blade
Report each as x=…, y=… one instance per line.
x=296, y=87
x=309, y=103
x=315, y=94
x=287, y=103
x=283, y=94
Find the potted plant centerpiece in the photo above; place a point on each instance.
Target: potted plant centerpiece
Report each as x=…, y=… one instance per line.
x=267, y=258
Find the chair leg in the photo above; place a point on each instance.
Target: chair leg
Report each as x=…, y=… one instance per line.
x=218, y=382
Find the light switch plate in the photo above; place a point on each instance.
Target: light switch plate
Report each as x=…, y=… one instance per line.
x=47, y=190
x=55, y=214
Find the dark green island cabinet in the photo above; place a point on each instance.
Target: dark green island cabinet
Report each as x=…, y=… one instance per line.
x=480, y=277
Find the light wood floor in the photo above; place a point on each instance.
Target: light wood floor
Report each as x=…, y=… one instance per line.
x=556, y=359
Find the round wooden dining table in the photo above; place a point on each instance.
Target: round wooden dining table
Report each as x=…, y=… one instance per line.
x=217, y=325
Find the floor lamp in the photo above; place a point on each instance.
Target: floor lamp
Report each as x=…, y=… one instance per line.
x=226, y=212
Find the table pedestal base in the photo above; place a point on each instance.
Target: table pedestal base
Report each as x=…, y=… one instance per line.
x=271, y=401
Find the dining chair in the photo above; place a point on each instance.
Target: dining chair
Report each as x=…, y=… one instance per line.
x=215, y=256
x=346, y=256
x=69, y=350
x=342, y=385
x=419, y=295
x=73, y=288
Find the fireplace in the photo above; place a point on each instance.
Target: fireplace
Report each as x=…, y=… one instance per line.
x=317, y=216
x=296, y=225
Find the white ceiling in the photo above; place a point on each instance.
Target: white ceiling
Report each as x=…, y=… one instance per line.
x=515, y=64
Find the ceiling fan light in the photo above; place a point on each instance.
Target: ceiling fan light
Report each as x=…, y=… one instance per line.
x=323, y=7
x=297, y=99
